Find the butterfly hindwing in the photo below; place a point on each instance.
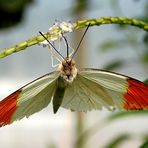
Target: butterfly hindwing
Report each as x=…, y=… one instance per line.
x=31, y=98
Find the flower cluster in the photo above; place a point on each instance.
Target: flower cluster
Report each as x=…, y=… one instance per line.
x=57, y=30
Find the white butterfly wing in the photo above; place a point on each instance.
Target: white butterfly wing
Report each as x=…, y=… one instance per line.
x=94, y=89
x=29, y=99
x=115, y=85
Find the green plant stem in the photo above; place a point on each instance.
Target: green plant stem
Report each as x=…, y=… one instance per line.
x=78, y=25
x=112, y=20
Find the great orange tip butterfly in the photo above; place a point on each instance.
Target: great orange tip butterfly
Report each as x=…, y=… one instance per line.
x=75, y=89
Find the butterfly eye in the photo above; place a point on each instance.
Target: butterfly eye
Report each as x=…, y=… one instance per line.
x=64, y=62
x=72, y=62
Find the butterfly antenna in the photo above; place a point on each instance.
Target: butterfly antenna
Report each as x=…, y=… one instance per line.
x=52, y=45
x=80, y=42
x=66, y=45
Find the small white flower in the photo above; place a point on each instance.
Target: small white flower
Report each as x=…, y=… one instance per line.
x=56, y=31
x=66, y=27
x=44, y=43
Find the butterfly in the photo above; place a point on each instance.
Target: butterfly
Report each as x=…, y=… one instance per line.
x=79, y=90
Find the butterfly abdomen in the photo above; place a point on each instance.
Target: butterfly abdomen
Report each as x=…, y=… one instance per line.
x=59, y=93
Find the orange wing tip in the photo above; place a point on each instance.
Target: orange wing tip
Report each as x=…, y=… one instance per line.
x=136, y=97
x=7, y=107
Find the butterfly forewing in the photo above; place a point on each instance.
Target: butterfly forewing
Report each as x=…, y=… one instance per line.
x=126, y=93
x=106, y=79
x=29, y=99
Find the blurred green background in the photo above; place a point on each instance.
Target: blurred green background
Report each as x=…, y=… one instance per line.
x=123, y=49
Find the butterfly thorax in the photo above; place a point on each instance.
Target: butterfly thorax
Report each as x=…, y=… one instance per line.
x=68, y=70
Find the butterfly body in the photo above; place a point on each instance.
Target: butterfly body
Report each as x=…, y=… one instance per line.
x=68, y=70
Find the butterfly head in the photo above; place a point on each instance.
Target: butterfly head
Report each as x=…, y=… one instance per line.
x=68, y=70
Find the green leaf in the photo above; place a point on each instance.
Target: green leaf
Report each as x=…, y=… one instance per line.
x=115, y=143
x=145, y=144
x=145, y=39
x=146, y=81
x=145, y=57
x=11, y=12
x=52, y=145
x=114, y=65
x=122, y=114
x=110, y=44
